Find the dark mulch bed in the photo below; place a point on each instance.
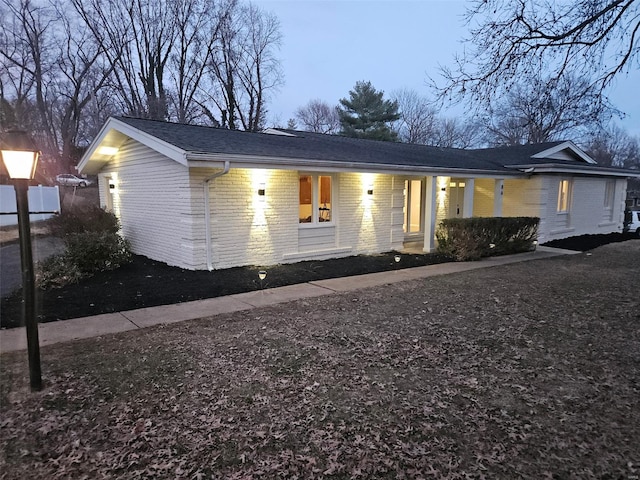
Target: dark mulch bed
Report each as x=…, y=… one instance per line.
x=147, y=283
x=583, y=243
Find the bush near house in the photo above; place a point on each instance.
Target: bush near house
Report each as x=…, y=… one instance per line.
x=474, y=238
x=92, y=244
x=84, y=219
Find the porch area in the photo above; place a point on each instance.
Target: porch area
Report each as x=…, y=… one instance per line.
x=429, y=200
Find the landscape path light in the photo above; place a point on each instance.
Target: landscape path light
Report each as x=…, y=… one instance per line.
x=262, y=274
x=20, y=157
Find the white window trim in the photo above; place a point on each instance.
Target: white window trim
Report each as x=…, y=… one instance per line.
x=315, y=201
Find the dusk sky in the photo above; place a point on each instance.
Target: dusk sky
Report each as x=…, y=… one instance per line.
x=328, y=45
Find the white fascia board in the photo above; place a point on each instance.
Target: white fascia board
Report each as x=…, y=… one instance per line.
x=568, y=145
x=279, y=163
x=91, y=151
x=113, y=134
x=577, y=170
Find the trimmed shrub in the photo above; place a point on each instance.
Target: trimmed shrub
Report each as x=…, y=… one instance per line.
x=92, y=244
x=84, y=219
x=97, y=251
x=57, y=271
x=474, y=238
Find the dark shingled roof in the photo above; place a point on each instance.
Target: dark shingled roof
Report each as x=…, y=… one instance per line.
x=335, y=148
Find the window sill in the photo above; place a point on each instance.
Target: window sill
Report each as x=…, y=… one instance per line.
x=562, y=230
x=316, y=225
x=314, y=253
x=607, y=223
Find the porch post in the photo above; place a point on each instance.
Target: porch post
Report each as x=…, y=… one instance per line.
x=498, y=191
x=430, y=205
x=467, y=210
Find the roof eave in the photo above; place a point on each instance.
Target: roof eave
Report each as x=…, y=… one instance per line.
x=533, y=168
x=209, y=160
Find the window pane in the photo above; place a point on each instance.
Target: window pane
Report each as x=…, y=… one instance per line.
x=306, y=199
x=324, y=196
x=563, y=196
x=609, y=194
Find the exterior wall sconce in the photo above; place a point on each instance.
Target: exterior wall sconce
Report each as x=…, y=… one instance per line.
x=370, y=189
x=261, y=190
x=20, y=157
x=443, y=189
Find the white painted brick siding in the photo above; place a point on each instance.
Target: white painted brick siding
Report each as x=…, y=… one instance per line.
x=522, y=198
x=160, y=204
x=483, y=197
x=153, y=202
x=246, y=231
x=587, y=209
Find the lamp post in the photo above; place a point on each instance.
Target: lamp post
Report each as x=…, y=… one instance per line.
x=20, y=158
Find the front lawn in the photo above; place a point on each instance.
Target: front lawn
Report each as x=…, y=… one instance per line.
x=521, y=371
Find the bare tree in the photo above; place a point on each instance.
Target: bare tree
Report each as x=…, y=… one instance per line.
x=244, y=66
x=83, y=73
x=25, y=50
x=16, y=68
x=453, y=133
x=260, y=71
x=137, y=38
x=319, y=117
x=64, y=70
x=197, y=30
x=418, y=120
x=533, y=112
x=514, y=40
x=54, y=66
x=614, y=147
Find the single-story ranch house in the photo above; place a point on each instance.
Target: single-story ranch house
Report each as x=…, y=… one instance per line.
x=209, y=198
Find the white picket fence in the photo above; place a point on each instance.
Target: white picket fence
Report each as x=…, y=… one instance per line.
x=41, y=199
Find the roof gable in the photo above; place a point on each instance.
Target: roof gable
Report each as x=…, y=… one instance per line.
x=113, y=134
x=565, y=151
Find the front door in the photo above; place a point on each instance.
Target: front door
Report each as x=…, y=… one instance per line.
x=413, y=217
x=456, y=198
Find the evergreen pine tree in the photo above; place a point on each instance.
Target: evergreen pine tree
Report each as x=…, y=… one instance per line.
x=366, y=115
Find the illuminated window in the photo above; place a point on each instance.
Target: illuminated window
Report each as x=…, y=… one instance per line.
x=315, y=199
x=564, y=196
x=609, y=194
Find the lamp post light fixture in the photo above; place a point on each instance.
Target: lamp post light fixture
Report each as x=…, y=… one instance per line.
x=20, y=157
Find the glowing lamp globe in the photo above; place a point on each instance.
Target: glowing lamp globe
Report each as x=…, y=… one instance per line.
x=19, y=154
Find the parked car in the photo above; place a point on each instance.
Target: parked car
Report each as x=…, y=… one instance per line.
x=69, y=180
x=634, y=224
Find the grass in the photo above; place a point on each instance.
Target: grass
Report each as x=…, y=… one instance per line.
x=524, y=371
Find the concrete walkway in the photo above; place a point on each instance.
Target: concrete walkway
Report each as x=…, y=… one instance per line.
x=66, y=330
